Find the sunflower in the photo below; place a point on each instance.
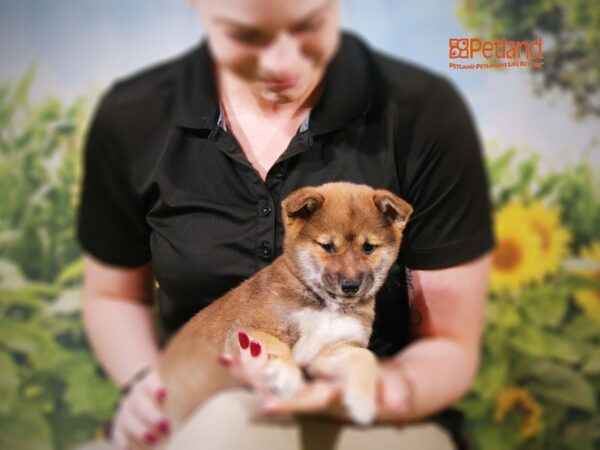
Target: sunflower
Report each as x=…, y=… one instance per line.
x=555, y=238
x=589, y=299
x=518, y=252
x=514, y=397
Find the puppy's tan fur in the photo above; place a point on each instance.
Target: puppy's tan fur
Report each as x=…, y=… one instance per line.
x=297, y=307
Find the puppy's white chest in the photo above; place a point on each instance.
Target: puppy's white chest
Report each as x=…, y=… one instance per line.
x=319, y=329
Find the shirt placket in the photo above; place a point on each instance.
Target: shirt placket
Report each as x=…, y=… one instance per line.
x=269, y=234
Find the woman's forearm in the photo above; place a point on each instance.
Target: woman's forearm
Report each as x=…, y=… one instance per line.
x=439, y=370
x=122, y=335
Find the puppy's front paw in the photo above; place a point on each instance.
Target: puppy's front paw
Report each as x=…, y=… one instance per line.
x=361, y=403
x=282, y=378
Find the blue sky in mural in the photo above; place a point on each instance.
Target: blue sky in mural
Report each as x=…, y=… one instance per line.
x=81, y=46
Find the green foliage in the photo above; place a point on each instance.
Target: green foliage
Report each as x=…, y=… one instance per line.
x=47, y=372
x=515, y=174
x=54, y=395
x=536, y=338
x=571, y=41
x=39, y=171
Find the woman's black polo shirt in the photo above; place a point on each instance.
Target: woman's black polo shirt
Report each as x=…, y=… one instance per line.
x=164, y=182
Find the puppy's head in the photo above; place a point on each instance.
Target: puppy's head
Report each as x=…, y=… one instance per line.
x=342, y=238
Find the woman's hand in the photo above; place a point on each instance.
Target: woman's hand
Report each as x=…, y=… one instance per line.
x=140, y=418
x=395, y=394
x=394, y=397
x=320, y=396
x=251, y=365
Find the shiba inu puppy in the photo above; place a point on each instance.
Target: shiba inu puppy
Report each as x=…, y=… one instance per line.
x=311, y=309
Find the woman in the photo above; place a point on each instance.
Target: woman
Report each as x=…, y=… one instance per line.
x=186, y=165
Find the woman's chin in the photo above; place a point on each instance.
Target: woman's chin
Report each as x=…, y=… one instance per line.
x=275, y=94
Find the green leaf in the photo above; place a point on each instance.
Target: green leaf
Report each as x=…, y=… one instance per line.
x=591, y=363
x=11, y=275
x=72, y=273
x=545, y=305
x=25, y=428
x=36, y=341
x=547, y=185
x=474, y=407
x=9, y=382
x=540, y=343
x=74, y=432
x=492, y=377
x=506, y=315
x=583, y=432
x=527, y=170
x=87, y=392
x=21, y=92
x=582, y=328
x=20, y=297
x=498, y=436
x=8, y=238
x=575, y=283
x=498, y=167
x=563, y=385
x=68, y=302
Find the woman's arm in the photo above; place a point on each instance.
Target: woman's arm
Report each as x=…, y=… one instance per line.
x=117, y=317
x=442, y=362
x=120, y=328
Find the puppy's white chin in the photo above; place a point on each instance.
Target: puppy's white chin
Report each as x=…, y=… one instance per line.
x=338, y=301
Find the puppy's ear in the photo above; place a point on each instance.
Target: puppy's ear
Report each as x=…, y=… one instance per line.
x=301, y=203
x=396, y=210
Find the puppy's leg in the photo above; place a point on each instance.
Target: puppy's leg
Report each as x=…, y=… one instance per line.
x=356, y=368
x=282, y=376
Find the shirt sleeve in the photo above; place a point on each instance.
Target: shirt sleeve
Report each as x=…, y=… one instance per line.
x=446, y=183
x=111, y=225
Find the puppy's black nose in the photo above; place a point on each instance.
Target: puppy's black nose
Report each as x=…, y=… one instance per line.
x=350, y=285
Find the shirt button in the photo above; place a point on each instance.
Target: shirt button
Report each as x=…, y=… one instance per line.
x=266, y=210
x=265, y=248
x=279, y=173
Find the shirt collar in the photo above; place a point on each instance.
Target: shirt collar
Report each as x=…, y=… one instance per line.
x=222, y=124
x=345, y=95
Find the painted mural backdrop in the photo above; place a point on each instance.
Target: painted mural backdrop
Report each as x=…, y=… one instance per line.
x=539, y=383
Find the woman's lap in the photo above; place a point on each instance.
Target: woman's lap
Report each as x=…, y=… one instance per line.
x=231, y=421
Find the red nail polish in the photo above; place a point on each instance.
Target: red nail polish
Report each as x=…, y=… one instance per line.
x=161, y=394
x=225, y=361
x=164, y=426
x=255, y=348
x=149, y=438
x=244, y=340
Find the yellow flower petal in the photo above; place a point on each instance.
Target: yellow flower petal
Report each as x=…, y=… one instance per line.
x=516, y=258
x=555, y=239
x=519, y=399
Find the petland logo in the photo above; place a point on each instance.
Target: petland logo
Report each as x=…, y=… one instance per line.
x=500, y=53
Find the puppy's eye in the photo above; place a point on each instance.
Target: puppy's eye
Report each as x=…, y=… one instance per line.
x=329, y=248
x=368, y=248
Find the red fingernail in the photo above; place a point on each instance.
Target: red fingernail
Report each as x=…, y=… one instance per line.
x=164, y=426
x=161, y=394
x=149, y=438
x=244, y=340
x=225, y=361
x=255, y=348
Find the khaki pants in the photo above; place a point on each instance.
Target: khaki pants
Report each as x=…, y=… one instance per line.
x=230, y=421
